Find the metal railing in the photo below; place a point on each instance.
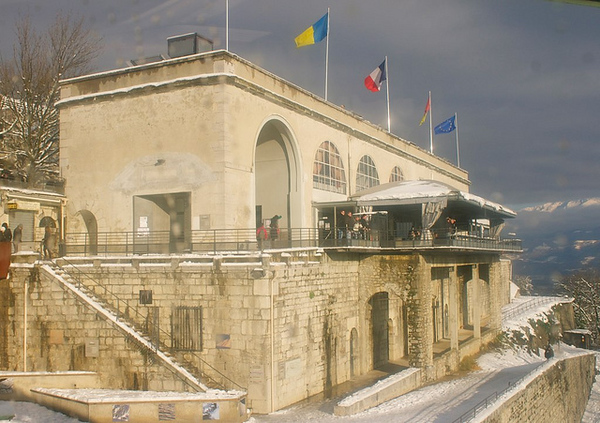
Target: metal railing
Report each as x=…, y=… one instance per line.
x=244, y=240
x=130, y=313
x=532, y=303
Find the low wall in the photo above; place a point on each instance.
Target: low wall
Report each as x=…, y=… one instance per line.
x=384, y=390
x=107, y=406
x=16, y=386
x=557, y=392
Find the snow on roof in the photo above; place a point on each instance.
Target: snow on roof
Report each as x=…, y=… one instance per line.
x=415, y=192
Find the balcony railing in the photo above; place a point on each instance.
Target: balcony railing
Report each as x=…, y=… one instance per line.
x=244, y=241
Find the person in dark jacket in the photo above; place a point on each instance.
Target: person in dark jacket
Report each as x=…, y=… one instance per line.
x=274, y=227
x=6, y=233
x=549, y=352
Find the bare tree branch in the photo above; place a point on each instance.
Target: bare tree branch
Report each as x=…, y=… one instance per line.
x=29, y=85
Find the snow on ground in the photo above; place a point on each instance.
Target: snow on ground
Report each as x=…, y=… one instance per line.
x=27, y=412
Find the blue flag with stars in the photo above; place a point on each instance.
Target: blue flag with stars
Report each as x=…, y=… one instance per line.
x=446, y=126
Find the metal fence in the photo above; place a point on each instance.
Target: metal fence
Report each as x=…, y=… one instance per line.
x=244, y=240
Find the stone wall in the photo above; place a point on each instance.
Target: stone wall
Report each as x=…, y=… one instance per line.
x=63, y=334
x=282, y=327
x=557, y=393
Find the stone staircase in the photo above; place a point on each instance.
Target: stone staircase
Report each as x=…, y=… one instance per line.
x=185, y=370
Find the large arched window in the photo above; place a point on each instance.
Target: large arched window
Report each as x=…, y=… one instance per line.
x=396, y=174
x=328, y=170
x=366, y=175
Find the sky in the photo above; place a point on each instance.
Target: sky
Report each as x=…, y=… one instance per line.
x=523, y=76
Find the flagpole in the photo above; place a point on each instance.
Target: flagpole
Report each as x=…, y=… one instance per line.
x=430, y=125
x=457, y=149
x=387, y=86
x=327, y=55
x=227, y=25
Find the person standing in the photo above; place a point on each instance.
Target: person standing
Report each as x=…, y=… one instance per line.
x=47, y=242
x=274, y=227
x=7, y=233
x=17, y=236
x=261, y=236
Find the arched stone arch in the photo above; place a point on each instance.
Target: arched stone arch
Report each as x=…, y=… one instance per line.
x=91, y=225
x=278, y=174
x=380, y=315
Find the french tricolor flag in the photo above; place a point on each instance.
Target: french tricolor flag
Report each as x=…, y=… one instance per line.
x=374, y=80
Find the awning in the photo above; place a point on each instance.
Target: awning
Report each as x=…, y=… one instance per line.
x=424, y=191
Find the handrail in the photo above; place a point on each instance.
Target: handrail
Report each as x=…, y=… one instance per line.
x=487, y=401
x=244, y=241
x=135, y=326
x=528, y=305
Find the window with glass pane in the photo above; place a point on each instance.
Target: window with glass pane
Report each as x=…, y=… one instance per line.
x=366, y=175
x=328, y=170
x=396, y=174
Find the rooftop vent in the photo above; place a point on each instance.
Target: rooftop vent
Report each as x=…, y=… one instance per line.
x=184, y=45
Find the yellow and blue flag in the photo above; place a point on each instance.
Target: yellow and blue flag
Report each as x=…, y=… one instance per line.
x=314, y=33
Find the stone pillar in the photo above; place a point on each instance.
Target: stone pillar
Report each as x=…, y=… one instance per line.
x=453, y=308
x=476, y=301
x=421, y=320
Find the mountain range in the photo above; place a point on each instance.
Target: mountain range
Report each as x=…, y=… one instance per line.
x=559, y=238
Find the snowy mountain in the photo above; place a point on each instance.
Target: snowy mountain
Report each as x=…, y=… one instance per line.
x=558, y=239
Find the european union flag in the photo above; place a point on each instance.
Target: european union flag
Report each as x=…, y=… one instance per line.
x=446, y=126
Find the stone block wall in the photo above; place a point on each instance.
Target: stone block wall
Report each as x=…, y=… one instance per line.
x=57, y=332
x=282, y=327
x=558, y=394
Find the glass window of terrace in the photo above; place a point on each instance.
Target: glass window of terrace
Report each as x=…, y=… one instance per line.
x=366, y=174
x=328, y=169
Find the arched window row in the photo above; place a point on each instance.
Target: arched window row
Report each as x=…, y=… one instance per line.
x=329, y=173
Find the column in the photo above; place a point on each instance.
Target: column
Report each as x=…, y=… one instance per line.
x=476, y=303
x=453, y=308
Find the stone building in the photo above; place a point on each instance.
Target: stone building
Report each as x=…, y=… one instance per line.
x=171, y=166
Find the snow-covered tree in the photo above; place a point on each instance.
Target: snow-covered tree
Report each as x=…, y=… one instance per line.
x=29, y=90
x=584, y=287
x=525, y=284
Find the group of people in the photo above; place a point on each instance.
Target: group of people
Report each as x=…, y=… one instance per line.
x=262, y=235
x=352, y=227
x=16, y=237
x=6, y=235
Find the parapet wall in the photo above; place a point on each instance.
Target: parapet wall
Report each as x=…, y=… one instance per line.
x=559, y=392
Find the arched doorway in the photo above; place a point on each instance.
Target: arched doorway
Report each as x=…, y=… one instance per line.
x=91, y=245
x=277, y=175
x=380, y=314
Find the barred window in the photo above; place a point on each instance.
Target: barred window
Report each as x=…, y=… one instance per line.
x=366, y=175
x=396, y=174
x=186, y=328
x=328, y=170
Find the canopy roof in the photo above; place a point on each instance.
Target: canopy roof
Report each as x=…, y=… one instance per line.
x=425, y=191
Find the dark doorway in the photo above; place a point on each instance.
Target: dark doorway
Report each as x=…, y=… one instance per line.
x=164, y=221
x=379, y=320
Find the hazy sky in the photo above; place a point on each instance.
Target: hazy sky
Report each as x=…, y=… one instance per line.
x=522, y=75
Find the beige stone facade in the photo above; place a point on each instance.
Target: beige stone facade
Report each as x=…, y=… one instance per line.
x=227, y=134
x=209, y=146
